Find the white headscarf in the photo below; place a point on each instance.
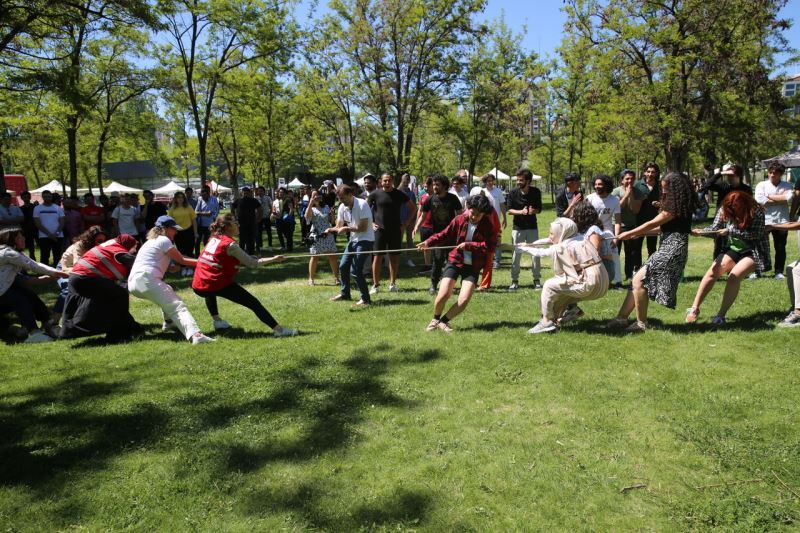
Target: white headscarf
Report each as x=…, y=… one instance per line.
x=562, y=229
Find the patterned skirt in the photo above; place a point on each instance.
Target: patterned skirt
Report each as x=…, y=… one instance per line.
x=323, y=245
x=665, y=269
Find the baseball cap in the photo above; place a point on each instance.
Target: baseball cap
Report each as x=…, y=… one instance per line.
x=166, y=221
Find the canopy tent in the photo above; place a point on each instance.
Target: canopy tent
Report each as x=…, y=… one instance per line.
x=169, y=188
x=499, y=175
x=120, y=188
x=536, y=177
x=217, y=188
x=53, y=186
x=790, y=159
x=296, y=184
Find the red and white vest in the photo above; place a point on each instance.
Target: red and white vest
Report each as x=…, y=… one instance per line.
x=215, y=269
x=101, y=262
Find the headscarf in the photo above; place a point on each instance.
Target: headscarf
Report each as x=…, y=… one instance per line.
x=126, y=241
x=562, y=229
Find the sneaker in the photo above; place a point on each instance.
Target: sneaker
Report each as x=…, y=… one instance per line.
x=311, y=283
x=792, y=320
x=433, y=325
x=432, y=290
x=691, y=315
x=37, y=337
x=636, y=327
x=374, y=289
x=444, y=326
x=202, y=339
x=780, y=277
x=617, y=323
x=573, y=312
x=339, y=298
x=410, y=263
x=166, y=326
x=221, y=324
x=393, y=287
x=543, y=326
x=495, y=265
x=284, y=332
x=514, y=286
x=753, y=276
x=361, y=303
x=426, y=269
x=718, y=320
x=618, y=287
x=537, y=285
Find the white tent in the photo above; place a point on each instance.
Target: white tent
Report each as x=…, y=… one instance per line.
x=296, y=184
x=499, y=175
x=53, y=186
x=120, y=188
x=169, y=188
x=217, y=188
x=536, y=177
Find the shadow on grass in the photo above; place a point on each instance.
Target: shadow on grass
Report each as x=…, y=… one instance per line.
x=765, y=320
x=493, y=326
x=56, y=431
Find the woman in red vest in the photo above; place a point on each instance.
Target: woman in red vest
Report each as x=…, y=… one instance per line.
x=98, y=300
x=216, y=270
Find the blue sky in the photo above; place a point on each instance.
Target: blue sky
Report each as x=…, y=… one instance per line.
x=545, y=20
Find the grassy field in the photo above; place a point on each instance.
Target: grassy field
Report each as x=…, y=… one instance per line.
x=367, y=422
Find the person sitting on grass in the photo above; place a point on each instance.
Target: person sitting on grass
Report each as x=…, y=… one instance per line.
x=579, y=274
x=792, y=320
x=14, y=296
x=471, y=234
x=146, y=279
x=97, y=303
x=216, y=270
x=741, y=219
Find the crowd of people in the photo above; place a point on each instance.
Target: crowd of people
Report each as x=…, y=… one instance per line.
x=100, y=253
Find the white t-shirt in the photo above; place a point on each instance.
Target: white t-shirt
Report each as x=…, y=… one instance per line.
x=126, y=219
x=152, y=259
x=774, y=213
x=352, y=216
x=607, y=209
x=496, y=197
x=470, y=233
x=49, y=215
x=462, y=196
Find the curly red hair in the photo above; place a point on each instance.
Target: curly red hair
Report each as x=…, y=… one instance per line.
x=739, y=207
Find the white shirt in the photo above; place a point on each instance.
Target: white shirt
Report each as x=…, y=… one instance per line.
x=497, y=199
x=49, y=215
x=774, y=213
x=152, y=259
x=126, y=219
x=351, y=216
x=470, y=233
x=607, y=208
x=462, y=195
x=12, y=263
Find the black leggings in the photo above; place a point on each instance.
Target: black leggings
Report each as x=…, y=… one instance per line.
x=238, y=295
x=25, y=303
x=633, y=256
x=779, y=240
x=184, y=242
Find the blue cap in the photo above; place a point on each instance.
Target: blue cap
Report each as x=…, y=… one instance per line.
x=165, y=221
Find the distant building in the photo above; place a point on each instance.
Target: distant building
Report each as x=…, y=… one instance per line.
x=791, y=89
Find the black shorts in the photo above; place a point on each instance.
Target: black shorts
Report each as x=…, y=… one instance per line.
x=425, y=233
x=465, y=272
x=737, y=256
x=388, y=240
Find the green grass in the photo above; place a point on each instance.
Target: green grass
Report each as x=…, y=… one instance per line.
x=367, y=422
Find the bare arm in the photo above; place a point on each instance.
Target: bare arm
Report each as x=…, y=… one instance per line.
x=176, y=256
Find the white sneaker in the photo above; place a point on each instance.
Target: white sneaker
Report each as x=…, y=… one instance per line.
x=284, y=332
x=514, y=286
x=202, y=339
x=432, y=290
x=221, y=324
x=393, y=287
x=780, y=276
x=374, y=289
x=753, y=276
x=38, y=336
x=544, y=326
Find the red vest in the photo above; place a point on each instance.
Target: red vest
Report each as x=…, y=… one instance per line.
x=215, y=269
x=100, y=262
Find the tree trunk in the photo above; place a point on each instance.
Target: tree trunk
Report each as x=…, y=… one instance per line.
x=101, y=145
x=72, y=148
x=2, y=171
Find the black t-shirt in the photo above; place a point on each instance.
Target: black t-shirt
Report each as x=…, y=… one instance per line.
x=442, y=210
x=386, y=207
x=28, y=225
x=154, y=210
x=648, y=212
x=329, y=199
x=678, y=225
x=517, y=200
x=246, y=209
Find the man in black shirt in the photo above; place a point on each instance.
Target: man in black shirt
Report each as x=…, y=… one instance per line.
x=385, y=204
x=443, y=207
x=568, y=195
x=151, y=210
x=734, y=175
x=524, y=203
x=248, y=214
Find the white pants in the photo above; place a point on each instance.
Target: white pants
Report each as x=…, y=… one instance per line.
x=161, y=294
x=793, y=280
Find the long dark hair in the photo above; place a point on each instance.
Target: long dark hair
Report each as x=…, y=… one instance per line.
x=584, y=215
x=678, y=197
x=88, y=237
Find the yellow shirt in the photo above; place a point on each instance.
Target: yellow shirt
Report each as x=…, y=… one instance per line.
x=183, y=216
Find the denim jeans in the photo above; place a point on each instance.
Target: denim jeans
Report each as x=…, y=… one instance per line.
x=355, y=262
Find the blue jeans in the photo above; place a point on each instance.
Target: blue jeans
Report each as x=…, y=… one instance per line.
x=356, y=263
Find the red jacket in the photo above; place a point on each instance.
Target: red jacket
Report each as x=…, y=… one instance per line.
x=483, y=240
x=215, y=269
x=103, y=261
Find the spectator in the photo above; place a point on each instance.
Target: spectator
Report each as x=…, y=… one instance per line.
x=568, y=195
x=649, y=188
x=185, y=218
x=125, y=216
x=524, y=203
x=609, y=211
x=266, y=220
x=248, y=213
x=495, y=195
x=207, y=210
x=91, y=213
x=28, y=224
x=151, y=210
x=49, y=219
x=318, y=216
x=774, y=195
x=630, y=202
x=354, y=217
x=10, y=215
